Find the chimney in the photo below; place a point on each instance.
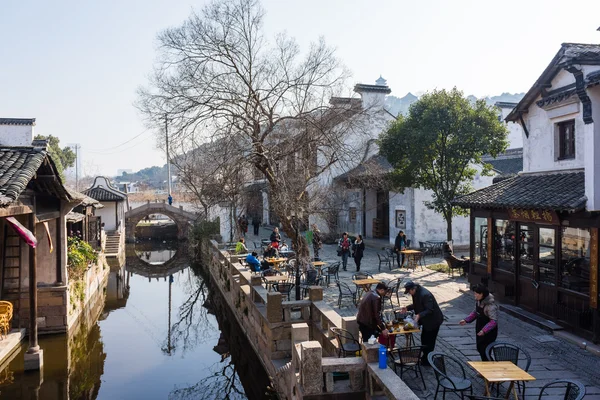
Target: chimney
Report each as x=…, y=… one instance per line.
x=373, y=96
x=16, y=132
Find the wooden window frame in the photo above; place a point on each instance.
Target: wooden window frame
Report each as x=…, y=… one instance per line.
x=566, y=146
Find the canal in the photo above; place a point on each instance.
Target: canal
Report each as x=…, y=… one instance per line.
x=160, y=332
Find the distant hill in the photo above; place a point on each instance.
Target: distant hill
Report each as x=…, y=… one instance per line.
x=400, y=105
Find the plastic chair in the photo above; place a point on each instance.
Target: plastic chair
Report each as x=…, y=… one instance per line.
x=384, y=259
x=573, y=390
x=450, y=374
x=408, y=358
x=504, y=351
x=347, y=343
x=345, y=291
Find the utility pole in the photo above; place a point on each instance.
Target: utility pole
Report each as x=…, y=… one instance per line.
x=168, y=158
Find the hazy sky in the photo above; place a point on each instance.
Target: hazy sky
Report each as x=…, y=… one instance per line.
x=75, y=66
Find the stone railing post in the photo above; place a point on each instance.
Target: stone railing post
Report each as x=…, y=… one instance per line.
x=300, y=333
x=350, y=324
x=315, y=293
x=274, y=310
x=370, y=352
x=311, y=370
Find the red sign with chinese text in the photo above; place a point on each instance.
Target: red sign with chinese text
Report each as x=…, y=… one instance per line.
x=537, y=216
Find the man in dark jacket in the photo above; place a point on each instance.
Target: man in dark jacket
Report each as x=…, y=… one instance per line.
x=427, y=314
x=369, y=313
x=400, y=244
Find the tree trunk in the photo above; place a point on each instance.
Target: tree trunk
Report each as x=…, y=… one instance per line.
x=448, y=218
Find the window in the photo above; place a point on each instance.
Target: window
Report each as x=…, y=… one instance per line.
x=566, y=139
x=575, y=260
x=547, y=256
x=526, y=251
x=481, y=232
x=504, y=245
x=352, y=214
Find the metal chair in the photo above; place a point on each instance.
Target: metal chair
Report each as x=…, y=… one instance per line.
x=392, y=286
x=390, y=252
x=308, y=279
x=573, y=390
x=345, y=291
x=361, y=275
x=471, y=397
x=284, y=288
x=504, y=351
x=331, y=270
x=408, y=358
x=347, y=343
x=384, y=259
x=450, y=374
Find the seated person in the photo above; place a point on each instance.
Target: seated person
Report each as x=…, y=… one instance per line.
x=449, y=256
x=271, y=252
x=240, y=247
x=255, y=264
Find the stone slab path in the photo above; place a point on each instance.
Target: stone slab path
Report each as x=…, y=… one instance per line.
x=552, y=357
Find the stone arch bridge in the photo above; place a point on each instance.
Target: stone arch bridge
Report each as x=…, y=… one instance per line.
x=177, y=263
x=182, y=218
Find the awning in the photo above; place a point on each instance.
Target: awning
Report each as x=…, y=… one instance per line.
x=74, y=216
x=555, y=191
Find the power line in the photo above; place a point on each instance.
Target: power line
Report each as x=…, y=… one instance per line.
x=116, y=151
x=119, y=145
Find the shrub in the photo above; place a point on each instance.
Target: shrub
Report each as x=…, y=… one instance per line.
x=79, y=255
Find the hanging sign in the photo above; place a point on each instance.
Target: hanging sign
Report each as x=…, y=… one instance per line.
x=532, y=215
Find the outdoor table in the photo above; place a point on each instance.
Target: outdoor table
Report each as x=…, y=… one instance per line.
x=274, y=279
x=411, y=255
x=500, y=371
x=318, y=265
x=408, y=334
x=365, y=285
x=276, y=261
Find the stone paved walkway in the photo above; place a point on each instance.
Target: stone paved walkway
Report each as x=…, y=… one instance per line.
x=552, y=357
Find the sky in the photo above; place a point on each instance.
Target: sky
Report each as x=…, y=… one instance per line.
x=76, y=66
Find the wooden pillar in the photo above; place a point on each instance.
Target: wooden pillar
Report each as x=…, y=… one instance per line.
x=33, y=329
x=34, y=359
x=59, y=258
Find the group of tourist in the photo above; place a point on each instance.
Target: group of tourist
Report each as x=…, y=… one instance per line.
x=427, y=313
x=428, y=316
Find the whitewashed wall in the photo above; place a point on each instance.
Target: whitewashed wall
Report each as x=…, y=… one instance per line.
x=16, y=135
x=108, y=215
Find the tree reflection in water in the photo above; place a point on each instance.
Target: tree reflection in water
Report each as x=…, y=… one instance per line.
x=222, y=383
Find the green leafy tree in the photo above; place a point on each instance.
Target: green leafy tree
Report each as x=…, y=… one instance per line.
x=439, y=143
x=63, y=158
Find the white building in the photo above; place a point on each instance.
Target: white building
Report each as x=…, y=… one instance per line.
x=114, y=201
x=543, y=252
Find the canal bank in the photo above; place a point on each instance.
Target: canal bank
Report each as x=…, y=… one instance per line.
x=149, y=337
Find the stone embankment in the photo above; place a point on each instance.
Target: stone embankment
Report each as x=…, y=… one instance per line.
x=294, y=340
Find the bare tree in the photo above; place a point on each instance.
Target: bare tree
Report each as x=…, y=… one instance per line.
x=268, y=104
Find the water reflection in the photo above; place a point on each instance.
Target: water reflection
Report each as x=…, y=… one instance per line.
x=150, y=336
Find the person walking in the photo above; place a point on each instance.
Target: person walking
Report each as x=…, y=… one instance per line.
x=485, y=316
x=344, y=245
x=400, y=244
x=358, y=251
x=427, y=314
x=256, y=225
x=317, y=241
x=369, y=314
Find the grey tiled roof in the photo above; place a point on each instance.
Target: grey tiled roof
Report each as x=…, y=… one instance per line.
x=18, y=168
x=17, y=121
x=361, y=87
x=102, y=194
x=507, y=165
x=557, y=191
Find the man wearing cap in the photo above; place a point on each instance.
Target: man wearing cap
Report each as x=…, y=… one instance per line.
x=369, y=313
x=427, y=314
